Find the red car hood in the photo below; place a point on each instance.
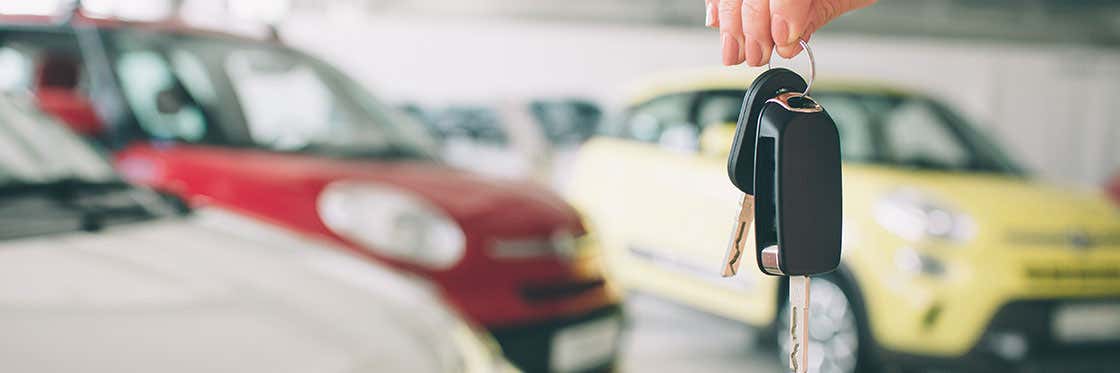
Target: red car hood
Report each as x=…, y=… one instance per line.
x=494, y=206
x=463, y=195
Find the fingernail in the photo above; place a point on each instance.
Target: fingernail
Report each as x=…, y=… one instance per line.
x=709, y=20
x=754, y=53
x=783, y=31
x=730, y=50
x=789, y=51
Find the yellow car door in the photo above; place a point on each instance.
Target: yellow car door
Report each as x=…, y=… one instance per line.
x=671, y=207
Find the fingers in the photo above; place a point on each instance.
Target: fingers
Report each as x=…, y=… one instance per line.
x=788, y=21
x=824, y=11
x=711, y=14
x=756, y=29
x=731, y=31
x=750, y=30
x=819, y=13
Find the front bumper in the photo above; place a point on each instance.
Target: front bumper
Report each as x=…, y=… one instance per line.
x=531, y=346
x=1019, y=338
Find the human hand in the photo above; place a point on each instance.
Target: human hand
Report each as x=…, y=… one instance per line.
x=751, y=29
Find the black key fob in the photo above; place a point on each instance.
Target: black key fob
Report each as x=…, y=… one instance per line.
x=797, y=186
x=740, y=162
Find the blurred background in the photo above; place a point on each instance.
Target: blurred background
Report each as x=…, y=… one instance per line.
x=586, y=221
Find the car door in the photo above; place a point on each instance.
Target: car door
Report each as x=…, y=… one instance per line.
x=680, y=206
x=659, y=149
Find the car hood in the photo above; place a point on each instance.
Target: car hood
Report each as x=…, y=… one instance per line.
x=199, y=295
x=1009, y=205
x=487, y=204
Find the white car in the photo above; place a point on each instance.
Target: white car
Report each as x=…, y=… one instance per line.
x=100, y=276
x=531, y=140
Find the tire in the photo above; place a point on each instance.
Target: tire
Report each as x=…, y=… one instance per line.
x=840, y=341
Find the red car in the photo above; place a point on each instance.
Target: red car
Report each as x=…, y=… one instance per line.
x=1113, y=188
x=258, y=127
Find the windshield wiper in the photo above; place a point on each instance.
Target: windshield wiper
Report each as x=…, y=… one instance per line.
x=91, y=199
x=390, y=151
x=61, y=186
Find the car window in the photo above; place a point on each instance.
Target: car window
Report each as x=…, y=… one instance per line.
x=33, y=148
x=915, y=135
x=854, y=123
x=49, y=58
x=647, y=121
x=719, y=108
x=247, y=93
x=15, y=69
x=263, y=81
x=164, y=106
x=852, y=119
x=908, y=131
x=482, y=125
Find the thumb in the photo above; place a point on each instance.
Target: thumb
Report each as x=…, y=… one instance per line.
x=794, y=20
x=824, y=11
x=789, y=19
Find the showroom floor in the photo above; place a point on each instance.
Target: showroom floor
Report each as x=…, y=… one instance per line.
x=667, y=338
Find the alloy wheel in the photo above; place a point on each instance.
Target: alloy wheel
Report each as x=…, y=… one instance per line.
x=833, y=332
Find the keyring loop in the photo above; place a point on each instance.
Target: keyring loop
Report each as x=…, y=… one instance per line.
x=812, y=67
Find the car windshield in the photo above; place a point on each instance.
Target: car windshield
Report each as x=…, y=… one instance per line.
x=480, y=124
x=896, y=130
x=33, y=149
x=567, y=121
x=52, y=181
x=226, y=91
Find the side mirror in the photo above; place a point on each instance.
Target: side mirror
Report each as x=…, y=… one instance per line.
x=715, y=139
x=680, y=138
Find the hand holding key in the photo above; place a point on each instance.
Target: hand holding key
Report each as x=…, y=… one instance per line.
x=786, y=159
x=751, y=29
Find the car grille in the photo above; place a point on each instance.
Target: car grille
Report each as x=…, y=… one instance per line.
x=555, y=292
x=1070, y=239
x=1073, y=276
x=558, y=245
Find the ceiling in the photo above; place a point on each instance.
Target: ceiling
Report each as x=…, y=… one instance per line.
x=1091, y=22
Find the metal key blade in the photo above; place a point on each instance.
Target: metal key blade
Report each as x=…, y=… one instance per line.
x=740, y=236
x=799, y=323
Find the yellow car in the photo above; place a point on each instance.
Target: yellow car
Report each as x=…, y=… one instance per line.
x=952, y=255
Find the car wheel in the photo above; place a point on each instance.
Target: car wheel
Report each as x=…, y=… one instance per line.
x=835, y=343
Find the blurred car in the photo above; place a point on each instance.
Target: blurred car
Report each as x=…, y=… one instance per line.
x=952, y=256
x=259, y=128
x=532, y=140
x=100, y=276
x=1113, y=188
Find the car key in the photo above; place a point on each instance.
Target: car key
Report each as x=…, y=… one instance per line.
x=740, y=161
x=796, y=189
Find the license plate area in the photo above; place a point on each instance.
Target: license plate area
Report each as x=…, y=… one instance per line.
x=586, y=345
x=1086, y=322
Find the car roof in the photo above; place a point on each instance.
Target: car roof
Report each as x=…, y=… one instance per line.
x=739, y=78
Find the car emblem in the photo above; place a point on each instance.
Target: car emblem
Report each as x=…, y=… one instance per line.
x=1080, y=240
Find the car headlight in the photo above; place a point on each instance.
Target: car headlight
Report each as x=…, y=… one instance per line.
x=392, y=221
x=916, y=216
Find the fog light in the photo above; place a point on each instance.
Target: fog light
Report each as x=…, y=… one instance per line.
x=1009, y=345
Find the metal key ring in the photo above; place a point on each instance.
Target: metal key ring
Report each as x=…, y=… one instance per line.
x=812, y=67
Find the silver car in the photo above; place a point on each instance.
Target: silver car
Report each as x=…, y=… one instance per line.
x=100, y=276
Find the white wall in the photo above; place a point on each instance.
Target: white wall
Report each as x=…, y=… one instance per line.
x=1053, y=106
